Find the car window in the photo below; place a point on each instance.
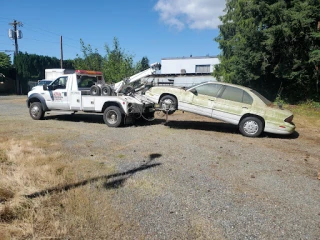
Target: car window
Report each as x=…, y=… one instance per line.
x=209, y=89
x=41, y=83
x=266, y=101
x=236, y=95
x=247, y=98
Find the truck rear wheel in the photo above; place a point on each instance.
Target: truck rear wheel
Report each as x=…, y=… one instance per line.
x=112, y=116
x=36, y=111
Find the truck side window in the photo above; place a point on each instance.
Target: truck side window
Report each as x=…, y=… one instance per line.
x=60, y=83
x=86, y=81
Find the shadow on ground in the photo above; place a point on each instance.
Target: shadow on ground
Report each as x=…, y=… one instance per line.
x=221, y=127
x=116, y=180
x=176, y=124
x=97, y=118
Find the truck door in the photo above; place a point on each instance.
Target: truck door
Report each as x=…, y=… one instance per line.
x=57, y=96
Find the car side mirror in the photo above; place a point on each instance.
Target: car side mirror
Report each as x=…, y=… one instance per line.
x=194, y=91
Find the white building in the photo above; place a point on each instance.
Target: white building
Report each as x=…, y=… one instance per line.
x=188, y=65
x=185, y=71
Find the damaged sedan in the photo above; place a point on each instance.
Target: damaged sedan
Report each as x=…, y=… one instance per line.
x=234, y=104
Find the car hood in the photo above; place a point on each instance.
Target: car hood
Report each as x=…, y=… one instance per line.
x=167, y=87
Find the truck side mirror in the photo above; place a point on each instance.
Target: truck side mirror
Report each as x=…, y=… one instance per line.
x=47, y=87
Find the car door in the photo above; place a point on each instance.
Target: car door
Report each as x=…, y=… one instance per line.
x=203, y=98
x=57, y=95
x=231, y=104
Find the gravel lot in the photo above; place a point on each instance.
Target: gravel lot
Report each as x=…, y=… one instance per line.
x=205, y=180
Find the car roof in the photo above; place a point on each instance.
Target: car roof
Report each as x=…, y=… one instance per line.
x=230, y=84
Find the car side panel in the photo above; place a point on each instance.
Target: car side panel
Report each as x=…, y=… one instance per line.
x=202, y=104
x=229, y=111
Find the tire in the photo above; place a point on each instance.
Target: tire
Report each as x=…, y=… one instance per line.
x=95, y=90
x=112, y=116
x=36, y=111
x=106, y=91
x=251, y=127
x=169, y=100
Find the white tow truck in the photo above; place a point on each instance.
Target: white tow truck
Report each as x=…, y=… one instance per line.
x=86, y=91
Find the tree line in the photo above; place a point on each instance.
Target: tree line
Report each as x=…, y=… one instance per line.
x=272, y=46
x=116, y=65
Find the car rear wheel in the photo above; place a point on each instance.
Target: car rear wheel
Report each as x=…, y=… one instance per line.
x=168, y=101
x=251, y=127
x=36, y=111
x=112, y=116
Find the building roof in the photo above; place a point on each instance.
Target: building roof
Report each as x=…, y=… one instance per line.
x=180, y=74
x=191, y=57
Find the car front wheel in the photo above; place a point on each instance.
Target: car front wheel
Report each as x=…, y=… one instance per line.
x=251, y=127
x=168, y=101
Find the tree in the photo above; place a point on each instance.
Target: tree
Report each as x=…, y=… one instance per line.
x=268, y=44
x=5, y=62
x=117, y=64
x=142, y=65
x=90, y=60
x=31, y=67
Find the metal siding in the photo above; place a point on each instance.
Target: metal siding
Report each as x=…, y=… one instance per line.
x=174, y=66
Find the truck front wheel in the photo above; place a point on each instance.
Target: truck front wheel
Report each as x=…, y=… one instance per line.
x=112, y=116
x=36, y=111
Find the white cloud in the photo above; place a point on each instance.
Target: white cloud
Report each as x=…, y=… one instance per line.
x=194, y=14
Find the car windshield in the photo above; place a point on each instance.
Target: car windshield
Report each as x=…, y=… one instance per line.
x=194, y=85
x=44, y=82
x=263, y=99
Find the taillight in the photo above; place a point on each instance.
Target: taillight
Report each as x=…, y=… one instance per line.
x=289, y=119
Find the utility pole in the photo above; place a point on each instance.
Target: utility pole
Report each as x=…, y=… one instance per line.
x=16, y=35
x=61, y=53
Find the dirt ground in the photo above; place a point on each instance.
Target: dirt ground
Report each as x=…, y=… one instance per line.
x=188, y=178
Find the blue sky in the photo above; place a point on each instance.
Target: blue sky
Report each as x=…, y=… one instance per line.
x=153, y=28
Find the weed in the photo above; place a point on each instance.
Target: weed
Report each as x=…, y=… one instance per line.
x=7, y=215
x=5, y=194
x=3, y=156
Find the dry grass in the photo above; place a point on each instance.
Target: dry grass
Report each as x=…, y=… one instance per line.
x=29, y=166
x=38, y=200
